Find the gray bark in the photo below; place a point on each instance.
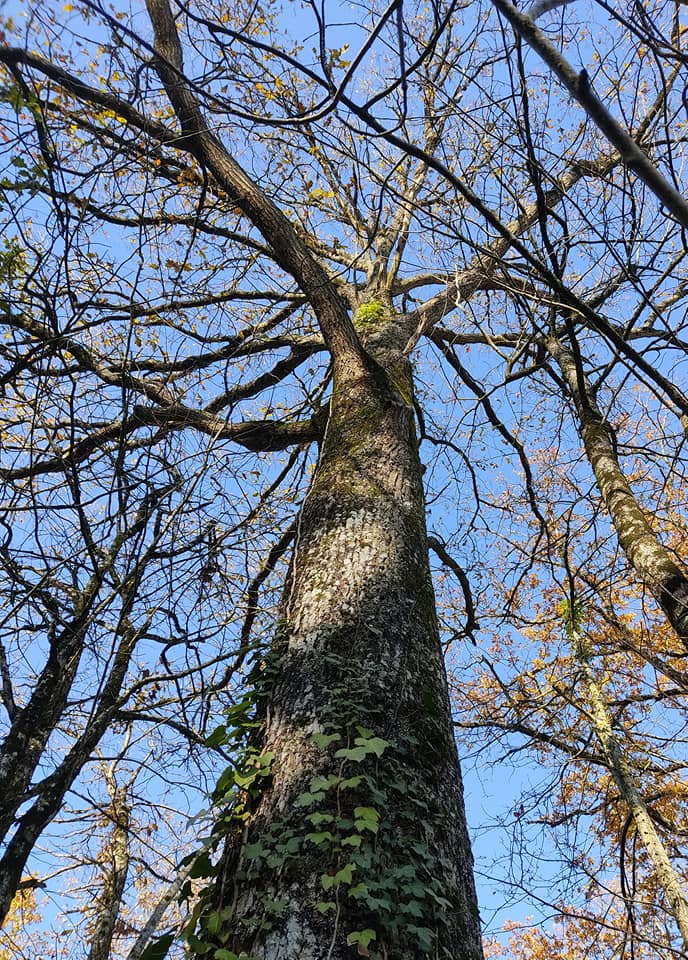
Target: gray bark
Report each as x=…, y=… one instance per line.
x=656, y=566
x=356, y=659
x=358, y=649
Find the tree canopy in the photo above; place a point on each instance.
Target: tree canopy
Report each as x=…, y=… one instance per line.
x=256, y=261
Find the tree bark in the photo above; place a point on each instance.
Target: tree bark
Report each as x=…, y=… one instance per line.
x=357, y=843
x=622, y=774
x=353, y=836
x=116, y=869
x=657, y=567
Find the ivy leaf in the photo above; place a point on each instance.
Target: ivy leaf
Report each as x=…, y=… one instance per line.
x=358, y=891
x=350, y=783
x=362, y=938
x=323, y=740
x=423, y=935
x=351, y=753
x=198, y=946
x=202, y=867
x=324, y=906
x=324, y=837
x=252, y=851
x=218, y=737
x=244, y=780
x=213, y=923
x=413, y=908
x=318, y=818
x=324, y=783
x=366, y=818
x=292, y=845
x=374, y=745
x=308, y=799
x=345, y=875
x=157, y=950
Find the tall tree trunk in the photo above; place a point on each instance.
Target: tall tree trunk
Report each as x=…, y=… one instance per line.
x=357, y=843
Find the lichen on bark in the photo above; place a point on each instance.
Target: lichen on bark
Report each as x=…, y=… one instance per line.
x=355, y=836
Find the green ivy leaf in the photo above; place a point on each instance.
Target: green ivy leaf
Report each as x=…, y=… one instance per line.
x=218, y=737
x=324, y=837
x=365, y=732
x=252, y=851
x=275, y=905
x=351, y=753
x=324, y=783
x=325, y=906
x=423, y=935
x=244, y=780
x=264, y=760
x=358, y=891
x=308, y=799
x=366, y=818
x=318, y=818
x=292, y=845
x=198, y=946
x=212, y=923
x=350, y=783
x=202, y=867
x=323, y=740
x=345, y=875
x=157, y=950
x=374, y=745
x=376, y=904
x=413, y=908
x=362, y=938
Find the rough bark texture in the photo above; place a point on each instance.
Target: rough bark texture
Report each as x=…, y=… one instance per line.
x=656, y=565
x=360, y=697
x=355, y=842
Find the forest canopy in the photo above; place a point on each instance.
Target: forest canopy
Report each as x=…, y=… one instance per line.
x=343, y=418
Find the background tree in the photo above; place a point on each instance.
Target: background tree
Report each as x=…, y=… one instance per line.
x=226, y=245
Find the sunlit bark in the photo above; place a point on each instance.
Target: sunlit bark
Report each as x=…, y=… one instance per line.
x=358, y=649
x=656, y=565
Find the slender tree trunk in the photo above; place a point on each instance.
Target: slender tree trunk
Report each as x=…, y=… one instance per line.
x=357, y=844
x=116, y=869
x=656, y=566
x=662, y=867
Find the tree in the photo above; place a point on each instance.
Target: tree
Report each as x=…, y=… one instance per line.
x=221, y=246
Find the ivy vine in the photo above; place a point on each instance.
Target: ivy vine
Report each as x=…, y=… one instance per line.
x=368, y=813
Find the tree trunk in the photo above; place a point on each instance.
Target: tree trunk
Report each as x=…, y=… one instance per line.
x=116, y=868
x=652, y=561
x=661, y=865
x=357, y=842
